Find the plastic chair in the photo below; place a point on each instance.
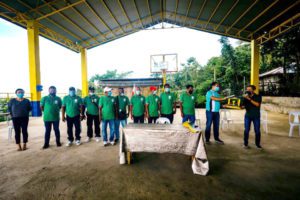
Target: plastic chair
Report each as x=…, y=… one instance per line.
x=225, y=115
x=294, y=122
x=163, y=120
x=264, y=120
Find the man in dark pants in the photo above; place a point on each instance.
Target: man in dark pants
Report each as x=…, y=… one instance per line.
x=137, y=107
x=92, y=112
x=72, y=106
x=152, y=106
x=51, y=105
x=252, y=104
x=168, y=103
x=212, y=112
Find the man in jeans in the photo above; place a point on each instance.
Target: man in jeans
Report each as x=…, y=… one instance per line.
x=73, y=108
x=137, y=107
x=51, y=105
x=252, y=104
x=92, y=112
x=122, y=104
x=212, y=112
x=187, y=105
x=107, y=114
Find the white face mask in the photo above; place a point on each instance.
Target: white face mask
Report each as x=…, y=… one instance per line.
x=154, y=92
x=167, y=89
x=91, y=93
x=138, y=92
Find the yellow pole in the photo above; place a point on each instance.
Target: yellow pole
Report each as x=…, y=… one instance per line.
x=254, y=79
x=34, y=66
x=84, y=76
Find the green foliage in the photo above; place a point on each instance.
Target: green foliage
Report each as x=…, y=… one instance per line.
x=3, y=108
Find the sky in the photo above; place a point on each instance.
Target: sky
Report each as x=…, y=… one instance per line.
x=61, y=67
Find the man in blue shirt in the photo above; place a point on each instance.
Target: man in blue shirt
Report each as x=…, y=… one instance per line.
x=213, y=105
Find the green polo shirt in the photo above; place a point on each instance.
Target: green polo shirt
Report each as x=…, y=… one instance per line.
x=91, y=104
x=138, y=105
x=108, y=107
x=153, y=101
x=51, y=105
x=72, y=105
x=122, y=101
x=188, y=103
x=167, y=103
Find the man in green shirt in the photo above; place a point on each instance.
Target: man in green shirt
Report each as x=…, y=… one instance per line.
x=72, y=107
x=50, y=106
x=152, y=106
x=91, y=102
x=137, y=107
x=187, y=105
x=123, y=112
x=108, y=114
x=168, y=103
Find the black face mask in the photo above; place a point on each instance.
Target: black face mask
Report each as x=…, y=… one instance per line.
x=190, y=91
x=248, y=93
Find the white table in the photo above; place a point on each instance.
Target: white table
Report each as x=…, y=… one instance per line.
x=164, y=138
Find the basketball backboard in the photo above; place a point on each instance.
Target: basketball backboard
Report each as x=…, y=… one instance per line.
x=160, y=62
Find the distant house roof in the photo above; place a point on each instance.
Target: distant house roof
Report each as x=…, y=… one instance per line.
x=130, y=82
x=276, y=71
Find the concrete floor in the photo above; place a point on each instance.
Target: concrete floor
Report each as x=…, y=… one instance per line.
x=91, y=171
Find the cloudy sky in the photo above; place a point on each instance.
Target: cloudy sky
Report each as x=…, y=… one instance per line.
x=61, y=67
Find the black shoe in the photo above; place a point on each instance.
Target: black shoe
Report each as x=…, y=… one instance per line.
x=45, y=146
x=207, y=142
x=218, y=141
x=246, y=146
x=58, y=144
x=116, y=140
x=258, y=146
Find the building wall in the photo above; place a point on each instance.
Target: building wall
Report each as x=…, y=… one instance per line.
x=280, y=104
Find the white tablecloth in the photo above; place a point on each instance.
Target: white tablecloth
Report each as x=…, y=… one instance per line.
x=165, y=138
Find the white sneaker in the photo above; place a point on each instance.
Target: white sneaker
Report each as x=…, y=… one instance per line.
x=88, y=139
x=105, y=143
x=69, y=143
x=97, y=139
x=112, y=143
x=77, y=142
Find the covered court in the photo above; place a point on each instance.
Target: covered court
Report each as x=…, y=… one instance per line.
x=84, y=24
x=91, y=171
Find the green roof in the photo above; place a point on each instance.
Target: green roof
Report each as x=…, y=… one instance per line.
x=79, y=24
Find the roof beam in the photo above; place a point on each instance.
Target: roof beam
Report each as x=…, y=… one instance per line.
x=44, y=31
x=99, y=18
x=176, y=8
x=125, y=14
x=195, y=26
x=278, y=30
x=53, y=22
x=138, y=13
x=74, y=24
x=112, y=15
x=87, y=21
x=213, y=13
x=242, y=15
x=150, y=13
x=228, y=13
x=41, y=6
x=200, y=12
x=258, y=16
x=59, y=10
x=273, y=18
x=188, y=10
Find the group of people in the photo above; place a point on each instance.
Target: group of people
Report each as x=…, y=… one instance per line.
x=113, y=112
